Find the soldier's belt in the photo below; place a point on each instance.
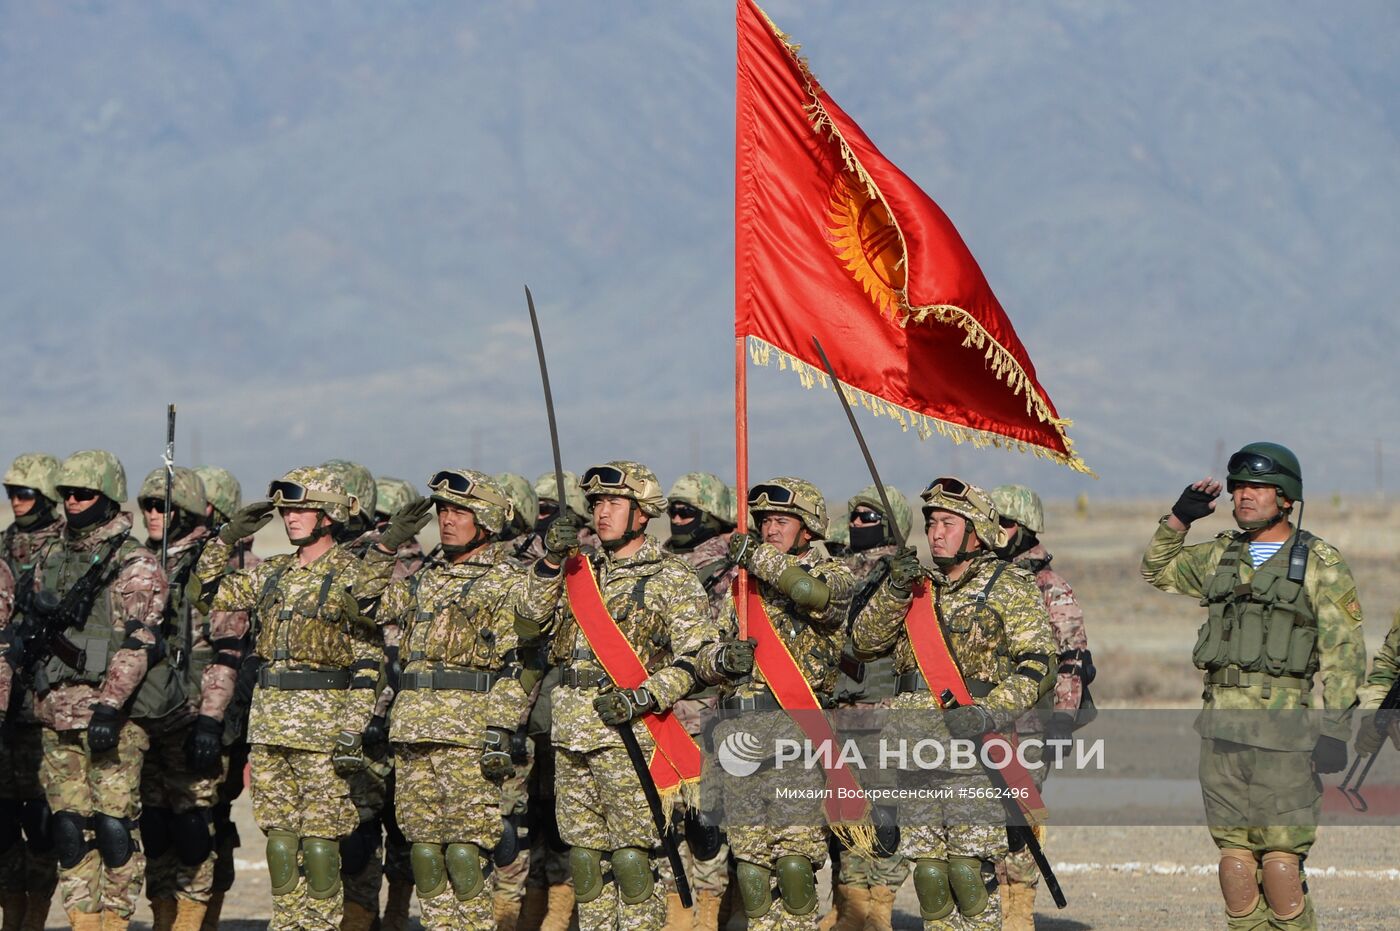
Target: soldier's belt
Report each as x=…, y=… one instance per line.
x=302, y=680
x=584, y=677
x=1233, y=677
x=914, y=681
x=760, y=701
x=68, y=651
x=468, y=680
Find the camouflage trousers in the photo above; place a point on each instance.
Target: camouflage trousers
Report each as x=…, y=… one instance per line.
x=709, y=876
x=169, y=790
x=443, y=799
x=965, y=821
x=763, y=845
x=1018, y=866
x=76, y=780
x=27, y=863
x=856, y=869
x=362, y=853
x=299, y=792
x=600, y=806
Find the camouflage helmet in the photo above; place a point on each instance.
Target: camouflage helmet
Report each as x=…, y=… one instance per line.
x=1021, y=504
x=475, y=491
x=625, y=479
x=222, y=489
x=969, y=501
x=545, y=490
x=707, y=492
x=1266, y=464
x=315, y=488
x=903, y=513
x=391, y=493
x=186, y=490
x=358, y=482
x=795, y=496
x=34, y=470
x=522, y=497
x=96, y=470
x=839, y=532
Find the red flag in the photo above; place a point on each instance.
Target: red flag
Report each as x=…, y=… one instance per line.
x=833, y=241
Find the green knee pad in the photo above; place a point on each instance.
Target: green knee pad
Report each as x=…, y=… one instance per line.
x=797, y=884
x=586, y=867
x=322, y=859
x=464, y=871
x=931, y=886
x=429, y=869
x=282, y=860
x=754, y=888
x=632, y=872
x=966, y=877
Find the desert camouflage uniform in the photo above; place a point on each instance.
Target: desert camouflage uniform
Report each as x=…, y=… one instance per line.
x=662, y=610
x=1255, y=763
x=456, y=618
x=297, y=792
x=995, y=620
x=78, y=784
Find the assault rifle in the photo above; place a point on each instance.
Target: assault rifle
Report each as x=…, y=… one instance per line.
x=50, y=616
x=1386, y=714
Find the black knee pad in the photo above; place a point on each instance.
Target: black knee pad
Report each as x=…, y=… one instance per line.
x=11, y=813
x=69, y=838
x=194, y=836
x=703, y=834
x=510, y=844
x=114, y=841
x=38, y=824
x=157, y=831
x=359, y=847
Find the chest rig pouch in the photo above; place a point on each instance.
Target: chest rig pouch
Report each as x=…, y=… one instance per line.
x=90, y=639
x=305, y=625
x=447, y=631
x=977, y=622
x=644, y=629
x=1263, y=625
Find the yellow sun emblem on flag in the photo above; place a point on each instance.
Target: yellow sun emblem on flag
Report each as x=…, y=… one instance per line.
x=867, y=240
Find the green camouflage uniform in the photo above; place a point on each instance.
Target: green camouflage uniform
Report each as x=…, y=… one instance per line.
x=1384, y=669
x=1257, y=764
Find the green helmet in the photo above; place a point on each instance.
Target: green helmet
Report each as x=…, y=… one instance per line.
x=795, y=496
x=391, y=493
x=316, y=488
x=870, y=497
x=545, y=490
x=708, y=493
x=969, y=501
x=1267, y=464
x=625, y=479
x=34, y=470
x=96, y=470
x=222, y=489
x=358, y=482
x=186, y=490
x=839, y=533
x=475, y=491
x=522, y=499
x=1020, y=504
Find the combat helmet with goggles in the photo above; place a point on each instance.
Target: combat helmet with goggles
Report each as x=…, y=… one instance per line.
x=314, y=488
x=1266, y=464
x=479, y=493
x=34, y=475
x=623, y=478
x=706, y=505
x=793, y=496
x=970, y=503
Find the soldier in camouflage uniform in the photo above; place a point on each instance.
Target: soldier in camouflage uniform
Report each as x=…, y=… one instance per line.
x=1274, y=620
x=1023, y=520
x=702, y=512
x=178, y=798
x=661, y=609
x=1384, y=668
x=390, y=495
x=28, y=866
x=460, y=700
x=90, y=688
x=998, y=632
x=864, y=889
x=316, y=689
x=806, y=596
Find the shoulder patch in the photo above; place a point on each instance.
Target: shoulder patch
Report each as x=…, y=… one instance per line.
x=1326, y=553
x=1351, y=604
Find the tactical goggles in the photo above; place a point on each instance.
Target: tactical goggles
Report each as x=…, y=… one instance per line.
x=77, y=494
x=766, y=497
x=683, y=511
x=152, y=504
x=21, y=493
x=290, y=494
x=601, y=480
x=465, y=487
x=548, y=508
x=955, y=489
x=867, y=516
x=1259, y=464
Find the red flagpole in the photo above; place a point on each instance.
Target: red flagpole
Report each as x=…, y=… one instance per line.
x=741, y=478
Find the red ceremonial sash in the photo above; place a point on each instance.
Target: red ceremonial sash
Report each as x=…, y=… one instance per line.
x=940, y=671
x=845, y=801
x=676, y=759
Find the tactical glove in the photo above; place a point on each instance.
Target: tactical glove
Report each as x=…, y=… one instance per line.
x=1330, y=755
x=348, y=757
x=905, y=570
x=968, y=722
x=105, y=728
x=246, y=522
x=496, y=764
x=205, y=744
x=742, y=546
x=622, y=705
x=561, y=539
x=406, y=523
x=1192, y=505
x=1372, y=733
x=736, y=657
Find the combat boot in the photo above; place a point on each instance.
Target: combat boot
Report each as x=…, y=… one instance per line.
x=678, y=917
x=163, y=913
x=189, y=915
x=507, y=911
x=532, y=909
x=212, y=912
x=356, y=918
x=396, y=905
x=706, y=912
x=880, y=917
x=84, y=921
x=559, y=912
x=14, y=904
x=36, y=912
x=1018, y=906
x=849, y=905
x=109, y=920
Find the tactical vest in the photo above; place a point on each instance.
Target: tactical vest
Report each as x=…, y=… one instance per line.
x=1265, y=625
x=304, y=626
x=180, y=616
x=981, y=615
x=645, y=630
x=460, y=642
